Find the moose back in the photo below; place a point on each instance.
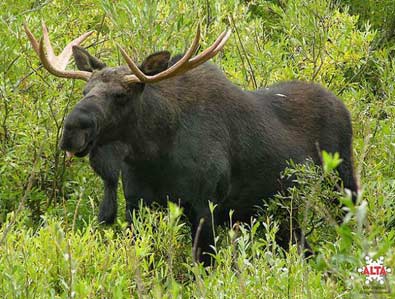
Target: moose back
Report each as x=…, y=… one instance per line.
x=178, y=128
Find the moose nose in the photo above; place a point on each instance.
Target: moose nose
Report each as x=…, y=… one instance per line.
x=79, y=119
x=79, y=128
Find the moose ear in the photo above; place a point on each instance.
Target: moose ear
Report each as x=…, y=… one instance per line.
x=155, y=63
x=85, y=61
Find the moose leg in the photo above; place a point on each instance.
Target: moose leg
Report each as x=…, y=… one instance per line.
x=106, y=162
x=346, y=173
x=135, y=190
x=216, y=189
x=347, y=178
x=292, y=233
x=108, y=207
x=202, y=237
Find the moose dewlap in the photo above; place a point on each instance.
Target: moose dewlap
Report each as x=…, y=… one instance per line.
x=178, y=128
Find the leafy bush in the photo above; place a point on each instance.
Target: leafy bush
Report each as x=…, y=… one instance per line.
x=380, y=14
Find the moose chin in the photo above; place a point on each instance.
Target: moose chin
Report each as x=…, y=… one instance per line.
x=176, y=127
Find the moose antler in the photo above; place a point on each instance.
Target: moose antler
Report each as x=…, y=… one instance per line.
x=183, y=65
x=56, y=65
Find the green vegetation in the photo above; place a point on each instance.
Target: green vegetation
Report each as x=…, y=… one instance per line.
x=51, y=245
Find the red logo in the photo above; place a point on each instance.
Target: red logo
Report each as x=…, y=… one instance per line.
x=374, y=270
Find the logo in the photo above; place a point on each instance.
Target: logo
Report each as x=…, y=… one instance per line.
x=374, y=270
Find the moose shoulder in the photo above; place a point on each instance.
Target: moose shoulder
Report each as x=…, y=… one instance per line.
x=179, y=129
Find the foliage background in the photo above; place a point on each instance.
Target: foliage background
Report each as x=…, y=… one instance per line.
x=50, y=243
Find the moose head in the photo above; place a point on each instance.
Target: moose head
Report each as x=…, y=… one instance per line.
x=110, y=91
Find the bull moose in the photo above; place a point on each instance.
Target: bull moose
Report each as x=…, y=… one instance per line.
x=178, y=128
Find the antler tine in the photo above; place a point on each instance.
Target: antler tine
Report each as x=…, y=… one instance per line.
x=49, y=66
x=172, y=71
x=47, y=44
x=65, y=55
x=32, y=39
x=181, y=66
x=138, y=76
x=56, y=65
x=212, y=50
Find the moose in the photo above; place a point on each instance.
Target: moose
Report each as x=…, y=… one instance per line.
x=176, y=128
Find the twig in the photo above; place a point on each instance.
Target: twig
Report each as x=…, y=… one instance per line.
x=76, y=213
x=71, y=295
x=317, y=70
x=99, y=32
x=208, y=15
x=251, y=71
x=195, y=242
x=23, y=200
x=36, y=8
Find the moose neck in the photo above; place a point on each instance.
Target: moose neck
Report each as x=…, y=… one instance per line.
x=156, y=119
